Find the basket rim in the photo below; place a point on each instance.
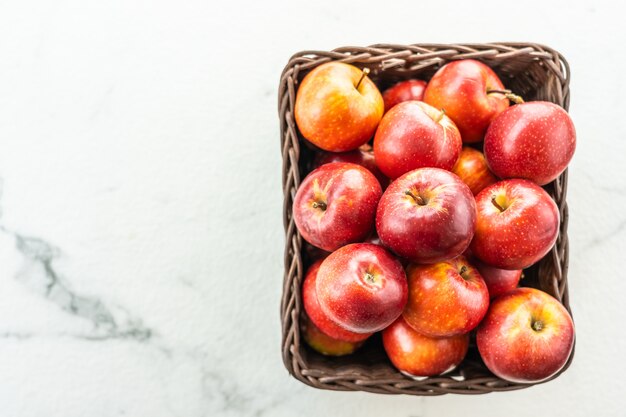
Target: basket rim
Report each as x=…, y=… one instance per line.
x=436, y=54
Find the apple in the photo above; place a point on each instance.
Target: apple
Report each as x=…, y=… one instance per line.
x=517, y=224
x=324, y=344
x=338, y=107
x=470, y=93
x=427, y=215
x=336, y=205
x=362, y=287
x=317, y=316
x=446, y=299
x=499, y=281
x=526, y=337
x=534, y=140
x=403, y=91
x=415, y=135
x=418, y=355
x=472, y=168
x=363, y=156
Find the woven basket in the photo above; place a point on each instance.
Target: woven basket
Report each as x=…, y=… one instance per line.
x=533, y=71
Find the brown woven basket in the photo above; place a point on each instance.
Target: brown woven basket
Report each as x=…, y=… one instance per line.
x=533, y=71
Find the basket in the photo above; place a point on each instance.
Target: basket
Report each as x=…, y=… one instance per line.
x=533, y=71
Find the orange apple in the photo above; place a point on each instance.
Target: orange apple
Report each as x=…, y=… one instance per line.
x=324, y=344
x=472, y=168
x=338, y=107
x=419, y=355
x=445, y=299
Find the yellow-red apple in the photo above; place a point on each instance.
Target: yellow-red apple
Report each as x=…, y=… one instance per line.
x=338, y=107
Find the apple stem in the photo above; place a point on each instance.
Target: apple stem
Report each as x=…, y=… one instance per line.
x=463, y=271
x=495, y=203
x=508, y=94
x=363, y=75
x=319, y=204
x=418, y=199
x=443, y=113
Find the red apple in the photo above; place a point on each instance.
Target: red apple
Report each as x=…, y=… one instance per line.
x=499, y=281
x=426, y=215
x=362, y=287
x=336, y=205
x=534, y=140
x=404, y=91
x=415, y=135
x=526, y=337
x=363, y=156
x=465, y=89
x=446, y=299
x=317, y=316
x=418, y=355
x=324, y=344
x=517, y=224
x=338, y=107
x=472, y=168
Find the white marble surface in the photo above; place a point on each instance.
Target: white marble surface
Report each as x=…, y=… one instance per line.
x=141, y=235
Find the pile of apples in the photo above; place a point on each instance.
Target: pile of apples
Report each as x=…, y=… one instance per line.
x=423, y=236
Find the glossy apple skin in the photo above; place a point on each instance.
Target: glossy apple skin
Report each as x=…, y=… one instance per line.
x=473, y=170
x=317, y=316
x=332, y=113
x=415, y=135
x=441, y=229
x=534, y=140
x=418, y=355
x=499, y=281
x=362, y=287
x=363, y=156
x=460, y=88
x=516, y=352
x=404, y=91
x=520, y=235
x=325, y=344
x=446, y=299
x=349, y=194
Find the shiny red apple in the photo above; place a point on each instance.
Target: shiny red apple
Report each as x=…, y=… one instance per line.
x=363, y=156
x=415, y=135
x=472, y=168
x=470, y=93
x=418, y=355
x=517, y=224
x=526, y=337
x=325, y=344
x=362, y=287
x=534, y=140
x=499, y=281
x=317, y=316
x=338, y=107
x=336, y=205
x=427, y=215
x=403, y=91
x=446, y=299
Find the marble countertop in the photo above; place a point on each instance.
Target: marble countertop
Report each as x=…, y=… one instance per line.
x=140, y=230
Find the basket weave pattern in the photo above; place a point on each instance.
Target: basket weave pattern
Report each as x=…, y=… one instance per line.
x=533, y=71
